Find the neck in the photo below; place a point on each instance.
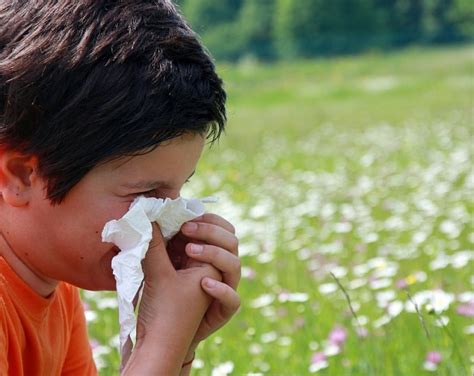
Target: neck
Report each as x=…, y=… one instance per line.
x=41, y=285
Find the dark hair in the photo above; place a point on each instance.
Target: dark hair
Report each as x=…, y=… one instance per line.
x=86, y=81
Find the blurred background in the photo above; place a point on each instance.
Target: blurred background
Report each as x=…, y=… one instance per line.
x=347, y=170
x=284, y=29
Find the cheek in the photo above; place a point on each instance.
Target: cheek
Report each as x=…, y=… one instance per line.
x=117, y=209
x=81, y=223
x=84, y=229
x=108, y=212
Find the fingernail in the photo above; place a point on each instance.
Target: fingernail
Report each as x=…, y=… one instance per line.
x=190, y=227
x=210, y=283
x=196, y=248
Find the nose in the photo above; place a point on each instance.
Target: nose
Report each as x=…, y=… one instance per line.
x=173, y=194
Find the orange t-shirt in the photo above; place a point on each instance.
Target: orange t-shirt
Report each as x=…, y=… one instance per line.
x=41, y=336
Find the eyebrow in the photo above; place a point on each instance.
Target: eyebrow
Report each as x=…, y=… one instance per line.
x=150, y=184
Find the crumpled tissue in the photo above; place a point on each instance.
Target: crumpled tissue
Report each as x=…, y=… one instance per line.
x=132, y=234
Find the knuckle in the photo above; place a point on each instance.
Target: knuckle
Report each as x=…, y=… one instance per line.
x=237, y=266
x=235, y=243
x=211, y=217
x=227, y=294
x=209, y=251
x=207, y=268
x=213, y=230
x=236, y=303
x=156, y=239
x=231, y=298
x=204, y=228
x=210, y=271
x=156, y=242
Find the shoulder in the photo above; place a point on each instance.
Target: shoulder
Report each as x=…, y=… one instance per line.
x=4, y=299
x=69, y=297
x=67, y=290
x=4, y=319
x=3, y=283
x=3, y=308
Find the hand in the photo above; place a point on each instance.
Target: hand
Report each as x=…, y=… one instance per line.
x=216, y=239
x=171, y=309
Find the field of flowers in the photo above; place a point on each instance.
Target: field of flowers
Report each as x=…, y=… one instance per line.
x=350, y=182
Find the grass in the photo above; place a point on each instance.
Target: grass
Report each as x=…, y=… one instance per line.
x=358, y=166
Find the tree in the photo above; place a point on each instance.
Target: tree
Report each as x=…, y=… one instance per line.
x=401, y=21
x=270, y=29
x=256, y=26
x=461, y=16
x=320, y=27
x=204, y=15
x=436, y=25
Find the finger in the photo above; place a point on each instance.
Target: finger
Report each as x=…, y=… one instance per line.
x=206, y=270
x=227, y=263
x=229, y=299
x=157, y=261
x=211, y=234
x=216, y=220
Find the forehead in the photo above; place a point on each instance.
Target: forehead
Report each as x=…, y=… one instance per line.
x=173, y=160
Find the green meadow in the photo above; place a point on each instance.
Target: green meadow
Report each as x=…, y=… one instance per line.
x=350, y=182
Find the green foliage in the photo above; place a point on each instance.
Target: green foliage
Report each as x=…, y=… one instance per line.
x=225, y=41
x=318, y=27
x=402, y=20
x=289, y=21
x=269, y=29
x=256, y=26
x=462, y=15
x=204, y=15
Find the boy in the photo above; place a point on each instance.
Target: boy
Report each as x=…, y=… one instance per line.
x=102, y=101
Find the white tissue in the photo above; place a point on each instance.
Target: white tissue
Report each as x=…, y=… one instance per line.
x=132, y=234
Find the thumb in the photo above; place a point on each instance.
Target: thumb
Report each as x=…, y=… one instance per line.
x=156, y=262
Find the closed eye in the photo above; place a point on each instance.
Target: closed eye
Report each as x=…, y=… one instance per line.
x=160, y=192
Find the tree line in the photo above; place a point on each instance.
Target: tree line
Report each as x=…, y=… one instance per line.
x=284, y=29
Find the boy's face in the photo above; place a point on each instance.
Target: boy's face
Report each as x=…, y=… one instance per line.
x=63, y=242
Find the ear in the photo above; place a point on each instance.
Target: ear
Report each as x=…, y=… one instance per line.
x=18, y=177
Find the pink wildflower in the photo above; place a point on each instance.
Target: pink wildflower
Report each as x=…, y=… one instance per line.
x=299, y=322
x=402, y=283
x=249, y=273
x=93, y=343
x=362, y=332
x=338, y=336
x=318, y=357
x=433, y=358
x=466, y=309
x=318, y=362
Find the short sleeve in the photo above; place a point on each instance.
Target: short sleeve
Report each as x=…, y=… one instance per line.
x=79, y=360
